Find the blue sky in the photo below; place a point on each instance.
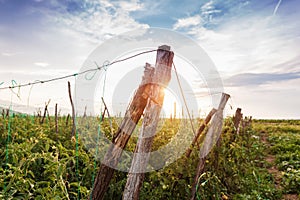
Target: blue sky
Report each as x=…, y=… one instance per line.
x=254, y=44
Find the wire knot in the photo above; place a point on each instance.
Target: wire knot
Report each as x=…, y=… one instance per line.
x=105, y=65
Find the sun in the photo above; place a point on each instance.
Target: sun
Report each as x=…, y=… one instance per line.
x=171, y=105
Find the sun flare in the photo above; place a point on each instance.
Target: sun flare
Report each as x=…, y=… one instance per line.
x=171, y=105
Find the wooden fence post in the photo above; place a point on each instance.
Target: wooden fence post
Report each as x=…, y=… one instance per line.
x=103, y=115
x=120, y=139
x=105, y=109
x=56, y=119
x=196, y=137
x=73, y=110
x=237, y=119
x=39, y=113
x=201, y=164
x=84, y=114
x=67, y=120
x=161, y=79
x=45, y=111
x=174, y=115
x=7, y=112
x=200, y=130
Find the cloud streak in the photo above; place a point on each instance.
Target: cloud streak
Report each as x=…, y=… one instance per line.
x=256, y=79
x=276, y=8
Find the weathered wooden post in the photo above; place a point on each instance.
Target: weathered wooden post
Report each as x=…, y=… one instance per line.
x=161, y=79
x=174, y=115
x=200, y=130
x=67, y=120
x=103, y=115
x=39, y=113
x=105, y=109
x=84, y=114
x=73, y=110
x=48, y=116
x=7, y=112
x=196, y=137
x=237, y=119
x=56, y=119
x=120, y=140
x=45, y=111
x=216, y=125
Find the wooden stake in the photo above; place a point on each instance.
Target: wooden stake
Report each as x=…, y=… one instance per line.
x=105, y=109
x=39, y=114
x=237, y=119
x=73, y=110
x=84, y=114
x=48, y=116
x=174, y=110
x=67, y=120
x=7, y=112
x=120, y=139
x=201, y=164
x=161, y=79
x=56, y=119
x=103, y=115
x=200, y=130
x=45, y=111
x=196, y=137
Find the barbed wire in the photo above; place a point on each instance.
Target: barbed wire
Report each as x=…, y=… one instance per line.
x=98, y=68
x=104, y=66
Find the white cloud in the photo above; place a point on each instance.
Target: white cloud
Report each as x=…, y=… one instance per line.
x=42, y=64
x=207, y=11
x=133, y=5
x=268, y=101
x=187, y=22
x=100, y=21
x=106, y=3
x=255, y=44
x=7, y=54
x=64, y=39
x=207, y=6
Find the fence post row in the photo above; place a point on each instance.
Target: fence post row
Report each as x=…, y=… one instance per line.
x=148, y=101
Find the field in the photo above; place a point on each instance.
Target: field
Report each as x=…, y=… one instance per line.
x=262, y=162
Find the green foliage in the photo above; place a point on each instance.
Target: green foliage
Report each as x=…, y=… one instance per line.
x=285, y=145
x=238, y=163
x=44, y=165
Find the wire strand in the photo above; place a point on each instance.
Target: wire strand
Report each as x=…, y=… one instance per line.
x=75, y=74
x=184, y=99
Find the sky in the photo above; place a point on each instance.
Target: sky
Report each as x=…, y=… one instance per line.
x=254, y=45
